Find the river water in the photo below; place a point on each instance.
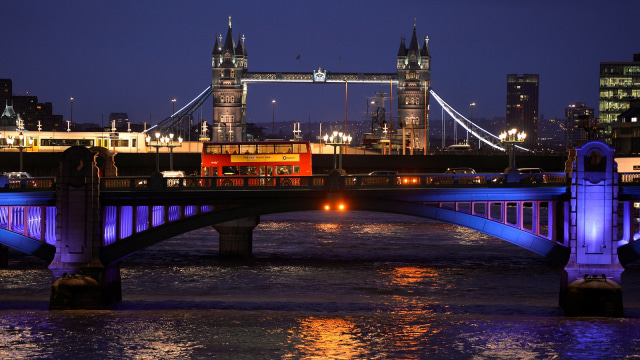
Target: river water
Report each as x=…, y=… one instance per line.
x=354, y=285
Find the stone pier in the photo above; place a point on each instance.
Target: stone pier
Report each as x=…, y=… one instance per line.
x=80, y=280
x=236, y=236
x=591, y=281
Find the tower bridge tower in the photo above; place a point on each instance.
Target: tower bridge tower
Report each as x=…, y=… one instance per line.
x=228, y=64
x=414, y=80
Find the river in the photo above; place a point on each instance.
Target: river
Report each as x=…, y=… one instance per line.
x=354, y=285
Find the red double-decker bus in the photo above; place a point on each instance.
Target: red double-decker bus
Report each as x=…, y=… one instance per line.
x=264, y=160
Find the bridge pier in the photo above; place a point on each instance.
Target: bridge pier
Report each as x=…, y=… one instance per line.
x=80, y=280
x=591, y=281
x=236, y=236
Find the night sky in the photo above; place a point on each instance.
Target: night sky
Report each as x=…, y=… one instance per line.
x=135, y=56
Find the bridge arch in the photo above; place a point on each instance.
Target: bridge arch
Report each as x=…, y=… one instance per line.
x=534, y=243
x=27, y=245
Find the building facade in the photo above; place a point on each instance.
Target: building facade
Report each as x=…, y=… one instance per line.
x=228, y=64
x=619, y=85
x=522, y=106
x=414, y=80
x=578, y=117
x=34, y=115
x=625, y=131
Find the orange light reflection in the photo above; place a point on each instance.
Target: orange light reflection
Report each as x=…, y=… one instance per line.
x=326, y=338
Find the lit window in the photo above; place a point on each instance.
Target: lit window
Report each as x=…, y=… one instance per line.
x=634, y=119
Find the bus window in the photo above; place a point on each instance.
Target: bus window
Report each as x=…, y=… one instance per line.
x=230, y=170
x=230, y=149
x=283, y=169
x=300, y=148
x=284, y=148
x=212, y=149
x=247, y=149
x=210, y=171
x=296, y=169
x=265, y=171
x=265, y=149
x=248, y=170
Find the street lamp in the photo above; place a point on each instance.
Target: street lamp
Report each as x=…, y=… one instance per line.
x=173, y=106
x=511, y=138
x=472, y=105
x=71, y=100
x=21, y=145
x=163, y=141
x=273, y=118
x=337, y=140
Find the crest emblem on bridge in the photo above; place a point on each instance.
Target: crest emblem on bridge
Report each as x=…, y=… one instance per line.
x=320, y=75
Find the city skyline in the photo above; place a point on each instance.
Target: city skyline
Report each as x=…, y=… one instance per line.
x=136, y=57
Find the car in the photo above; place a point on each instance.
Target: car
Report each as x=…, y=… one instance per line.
x=17, y=175
x=173, y=174
x=532, y=175
x=383, y=173
x=464, y=171
x=379, y=177
x=460, y=170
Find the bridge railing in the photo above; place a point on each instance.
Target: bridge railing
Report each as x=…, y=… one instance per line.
x=630, y=178
x=207, y=183
x=449, y=179
x=27, y=184
x=318, y=181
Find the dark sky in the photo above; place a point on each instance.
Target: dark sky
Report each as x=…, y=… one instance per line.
x=135, y=56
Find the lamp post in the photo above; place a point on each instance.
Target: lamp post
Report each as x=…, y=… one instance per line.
x=21, y=145
x=472, y=105
x=273, y=118
x=337, y=140
x=71, y=101
x=511, y=138
x=163, y=141
x=173, y=106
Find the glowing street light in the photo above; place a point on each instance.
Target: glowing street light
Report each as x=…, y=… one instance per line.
x=273, y=118
x=337, y=140
x=21, y=142
x=511, y=138
x=163, y=141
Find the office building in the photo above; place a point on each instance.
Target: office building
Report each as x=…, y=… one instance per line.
x=619, y=85
x=522, y=106
x=579, y=119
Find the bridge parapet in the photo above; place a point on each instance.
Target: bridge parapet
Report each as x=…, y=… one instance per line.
x=27, y=184
x=320, y=181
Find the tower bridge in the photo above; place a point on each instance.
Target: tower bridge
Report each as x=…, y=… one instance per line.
x=231, y=75
x=81, y=222
x=412, y=80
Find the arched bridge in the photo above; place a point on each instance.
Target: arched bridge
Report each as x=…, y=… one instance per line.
x=141, y=211
x=84, y=222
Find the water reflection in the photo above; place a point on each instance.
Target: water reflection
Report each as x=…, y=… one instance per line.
x=326, y=338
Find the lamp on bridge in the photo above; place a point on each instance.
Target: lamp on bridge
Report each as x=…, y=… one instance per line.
x=163, y=141
x=511, y=138
x=337, y=140
x=21, y=142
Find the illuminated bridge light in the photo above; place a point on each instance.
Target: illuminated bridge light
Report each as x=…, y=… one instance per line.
x=340, y=206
